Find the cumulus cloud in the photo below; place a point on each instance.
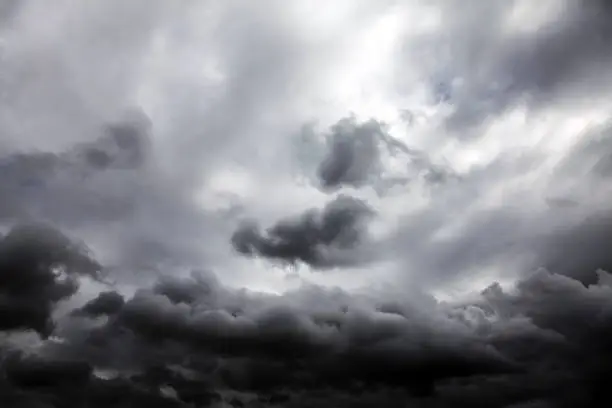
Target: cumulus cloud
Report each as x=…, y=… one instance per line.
x=317, y=237
x=309, y=339
x=106, y=303
x=543, y=340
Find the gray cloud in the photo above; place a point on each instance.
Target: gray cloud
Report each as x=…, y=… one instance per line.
x=316, y=238
x=106, y=303
x=302, y=339
x=39, y=267
x=222, y=85
x=562, y=224
x=548, y=333
x=544, y=340
x=353, y=154
x=356, y=152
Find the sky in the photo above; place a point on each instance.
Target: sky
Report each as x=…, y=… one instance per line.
x=289, y=204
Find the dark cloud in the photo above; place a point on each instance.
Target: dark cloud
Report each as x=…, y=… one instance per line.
x=544, y=341
x=578, y=250
x=314, y=238
x=305, y=340
x=32, y=372
x=106, y=303
x=39, y=266
x=30, y=381
x=356, y=153
x=195, y=340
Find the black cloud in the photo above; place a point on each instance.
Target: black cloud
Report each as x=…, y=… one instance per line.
x=39, y=266
x=304, y=340
x=311, y=238
x=543, y=341
x=30, y=381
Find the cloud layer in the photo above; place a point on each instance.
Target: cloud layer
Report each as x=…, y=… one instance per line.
x=544, y=341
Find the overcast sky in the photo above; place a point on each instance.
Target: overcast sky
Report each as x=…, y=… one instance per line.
x=315, y=200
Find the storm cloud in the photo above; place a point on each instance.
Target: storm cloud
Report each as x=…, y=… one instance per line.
x=542, y=340
x=172, y=174
x=39, y=267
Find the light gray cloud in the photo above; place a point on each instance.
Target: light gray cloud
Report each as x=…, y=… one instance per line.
x=492, y=66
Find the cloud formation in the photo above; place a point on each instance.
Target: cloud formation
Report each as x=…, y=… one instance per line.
x=317, y=237
x=148, y=130
x=542, y=341
x=71, y=186
x=39, y=267
x=356, y=153
x=553, y=53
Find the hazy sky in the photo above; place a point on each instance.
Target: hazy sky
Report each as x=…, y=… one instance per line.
x=307, y=198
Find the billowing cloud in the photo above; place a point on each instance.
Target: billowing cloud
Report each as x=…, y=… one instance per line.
x=39, y=267
x=106, y=303
x=543, y=340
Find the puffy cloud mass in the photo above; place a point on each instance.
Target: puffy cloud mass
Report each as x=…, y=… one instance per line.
x=368, y=204
x=316, y=238
x=39, y=267
x=543, y=340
